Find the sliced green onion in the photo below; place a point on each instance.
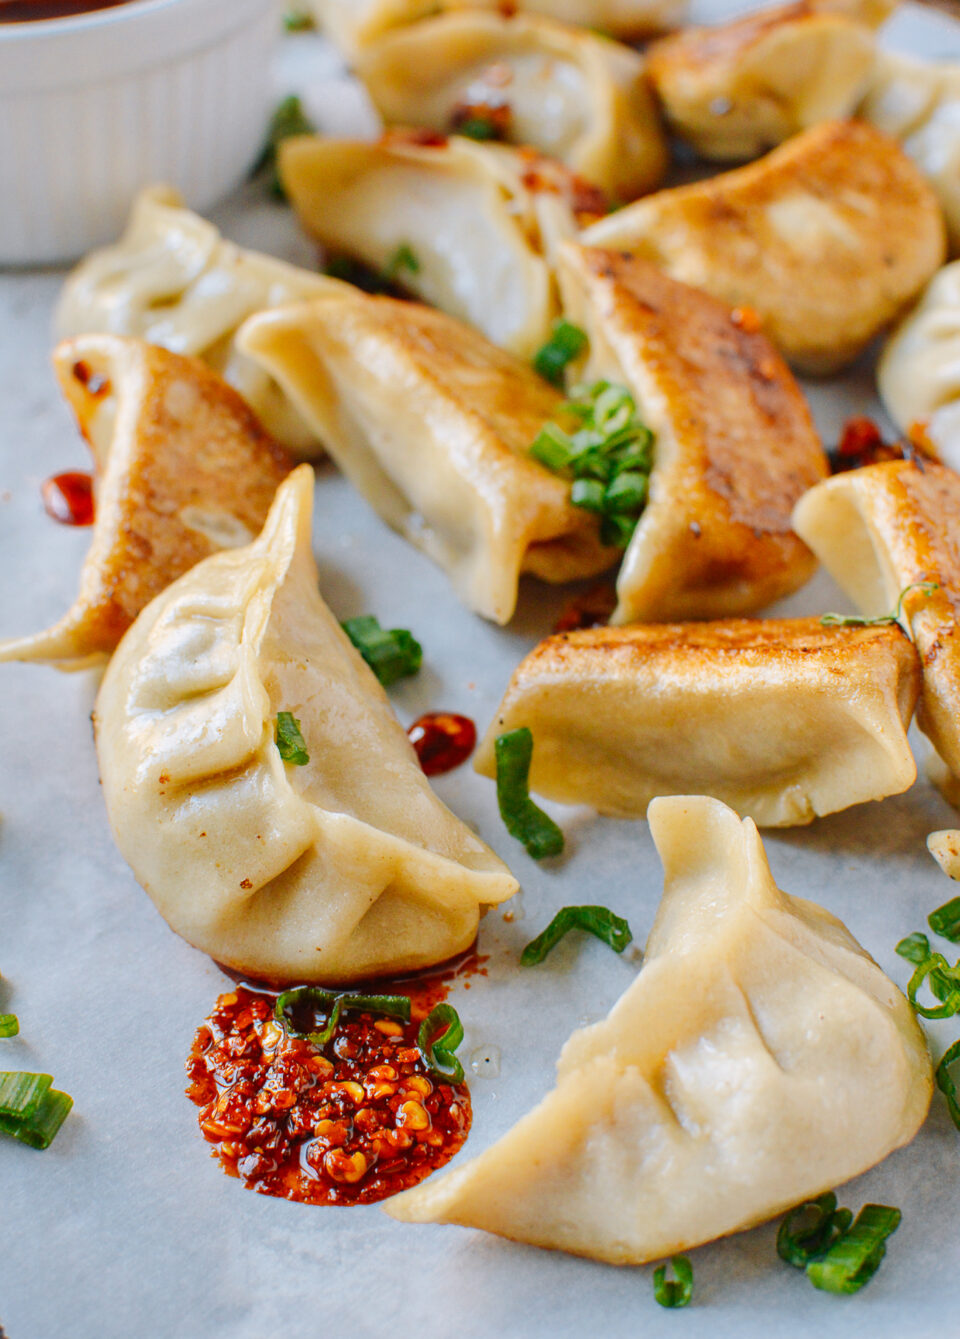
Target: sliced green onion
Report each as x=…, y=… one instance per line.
x=9, y=1025
x=40, y=1129
x=678, y=1290
x=628, y=491
x=331, y=1003
x=567, y=341
x=915, y=948
x=298, y=21
x=944, y=983
x=552, y=447
x=809, y=1230
x=945, y=1081
x=853, y=1260
x=478, y=128
x=598, y=921
x=392, y=654
x=523, y=819
x=288, y=119
x=21, y=1093
x=589, y=494
x=945, y=921
x=856, y=621
x=404, y=258
x=438, y=1050
x=290, y=742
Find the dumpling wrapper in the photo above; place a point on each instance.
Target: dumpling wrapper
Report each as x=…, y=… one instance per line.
x=174, y=281
x=828, y=238
x=735, y=446
x=354, y=24
x=182, y=469
x=783, y=719
x=338, y=870
x=482, y=221
x=917, y=102
x=760, y=1058
x=880, y=529
x=569, y=93
x=944, y=846
x=432, y=423
x=918, y=374
x=737, y=89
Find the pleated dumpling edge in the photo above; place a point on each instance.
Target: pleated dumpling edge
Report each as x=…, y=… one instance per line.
x=344, y=867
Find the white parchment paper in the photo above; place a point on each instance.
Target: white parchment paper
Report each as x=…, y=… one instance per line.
x=126, y=1228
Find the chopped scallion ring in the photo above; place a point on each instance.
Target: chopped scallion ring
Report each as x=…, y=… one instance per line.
x=392, y=654
x=809, y=1230
x=946, y=1083
x=438, y=1050
x=856, y=1256
x=22, y=1093
x=331, y=1003
x=288, y=119
x=523, y=819
x=598, y=921
x=915, y=948
x=945, y=921
x=9, y=1025
x=567, y=341
x=40, y=1129
x=290, y=742
x=677, y=1291
x=944, y=983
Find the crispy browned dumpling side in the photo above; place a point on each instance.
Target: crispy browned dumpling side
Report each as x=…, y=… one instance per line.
x=783, y=719
x=182, y=468
x=881, y=529
x=735, y=444
x=828, y=238
x=734, y=90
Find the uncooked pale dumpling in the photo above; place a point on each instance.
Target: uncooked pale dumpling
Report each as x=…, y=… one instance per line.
x=759, y=1058
x=880, y=530
x=737, y=89
x=944, y=846
x=353, y=24
x=918, y=374
x=918, y=103
x=432, y=423
x=784, y=719
x=173, y=280
x=734, y=444
x=827, y=238
x=343, y=868
x=476, y=224
x=573, y=95
x=183, y=468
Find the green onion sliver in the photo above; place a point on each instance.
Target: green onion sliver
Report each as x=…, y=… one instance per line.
x=392, y=654
x=945, y=921
x=288, y=119
x=40, y=1129
x=22, y=1093
x=290, y=742
x=9, y=1025
x=598, y=921
x=522, y=818
x=404, y=258
x=809, y=1230
x=946, y=1084
x=480, y=128
x=438, y=1051
x=678, y=1290
x=895, y=615
x=567, y=341
x=331, y=1003
x=915, y=948
x=944, y=983
x=853, y=1260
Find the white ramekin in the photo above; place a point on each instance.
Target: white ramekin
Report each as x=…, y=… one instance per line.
x=93, y=108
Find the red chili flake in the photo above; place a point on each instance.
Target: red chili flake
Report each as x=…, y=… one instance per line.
x=352, y=1122
x=592, y=609
x=421, y=138
x=68, y=497
x=442, y=741
x=746, y=319
x=861, y=443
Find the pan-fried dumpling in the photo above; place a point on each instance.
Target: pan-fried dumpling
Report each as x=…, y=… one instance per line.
x=827, y=238
x=341, y=868
x=784, y=719
x=736, y=89
x=183, y=468
x=569, y=93
x=760, y=1058
x=353, y=24
x=917, y=102
x=479, y=222
x=918, y=374
x=174, y=281
x=881, y=529
x=432, y=423
x=734, y=444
